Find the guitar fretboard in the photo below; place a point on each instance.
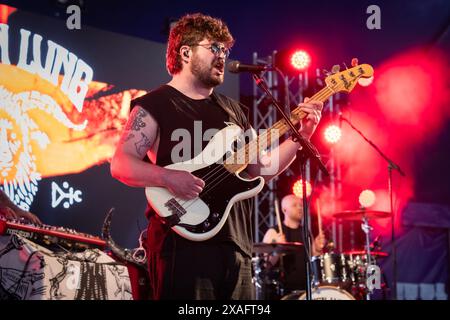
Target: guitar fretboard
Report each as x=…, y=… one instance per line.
x=239, y=160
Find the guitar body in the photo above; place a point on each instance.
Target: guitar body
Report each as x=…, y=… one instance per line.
x=202, y=218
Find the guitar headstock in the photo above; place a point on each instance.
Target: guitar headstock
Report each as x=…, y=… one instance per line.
x=346, y=80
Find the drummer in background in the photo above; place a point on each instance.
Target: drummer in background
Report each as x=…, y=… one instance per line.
x=293, y=265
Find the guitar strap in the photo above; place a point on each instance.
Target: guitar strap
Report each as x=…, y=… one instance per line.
x=234, y=109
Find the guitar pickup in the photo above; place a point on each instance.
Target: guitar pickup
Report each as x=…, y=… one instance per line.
x=173, y=204
x=174, y=207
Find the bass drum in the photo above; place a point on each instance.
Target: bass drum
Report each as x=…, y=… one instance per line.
x=321, y=293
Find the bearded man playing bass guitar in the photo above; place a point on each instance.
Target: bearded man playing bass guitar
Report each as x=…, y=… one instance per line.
x=197, y=266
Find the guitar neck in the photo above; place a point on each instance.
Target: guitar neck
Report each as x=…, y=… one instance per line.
x=241, y=158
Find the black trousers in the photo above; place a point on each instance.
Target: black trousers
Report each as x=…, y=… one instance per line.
x=201, y=271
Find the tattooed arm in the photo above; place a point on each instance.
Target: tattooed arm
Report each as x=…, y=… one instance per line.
x=140, y=137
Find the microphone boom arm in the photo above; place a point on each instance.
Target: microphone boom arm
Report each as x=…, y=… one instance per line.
x=308, y=148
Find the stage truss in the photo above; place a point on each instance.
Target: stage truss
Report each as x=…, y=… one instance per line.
x=265, y=115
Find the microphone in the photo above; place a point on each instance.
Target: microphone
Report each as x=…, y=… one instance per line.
x=237, y=66
x=340, y=119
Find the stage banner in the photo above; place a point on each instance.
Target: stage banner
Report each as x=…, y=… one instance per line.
x=64, y=101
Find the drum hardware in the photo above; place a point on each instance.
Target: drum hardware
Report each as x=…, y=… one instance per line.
x=321, y=293
x=358, y=269
x=267, y=278
x=335, y=276
x=277, y=247
x=378, y=254
x=330, y=269
x=367, y=228
x=358, y=215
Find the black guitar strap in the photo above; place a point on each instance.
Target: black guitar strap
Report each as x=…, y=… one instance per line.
x=234, y=109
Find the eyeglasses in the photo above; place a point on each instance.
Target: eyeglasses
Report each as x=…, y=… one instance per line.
x=216, y=49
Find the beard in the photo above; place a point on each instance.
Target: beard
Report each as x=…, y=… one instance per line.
x=206, y=73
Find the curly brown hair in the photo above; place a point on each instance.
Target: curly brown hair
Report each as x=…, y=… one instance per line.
x=190, y=30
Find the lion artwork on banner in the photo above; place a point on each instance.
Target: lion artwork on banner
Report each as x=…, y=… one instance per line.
x=54, y=119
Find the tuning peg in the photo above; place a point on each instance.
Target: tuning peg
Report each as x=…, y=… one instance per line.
x=354, y=62
x=335, y=68
x=319, y=78
x=326, y=72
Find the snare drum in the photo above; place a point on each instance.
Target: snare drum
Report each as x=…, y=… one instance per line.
x=321, y=293
x=330, y=269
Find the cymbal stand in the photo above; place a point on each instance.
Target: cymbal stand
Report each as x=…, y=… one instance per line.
x=367, y=228
x=391, y=166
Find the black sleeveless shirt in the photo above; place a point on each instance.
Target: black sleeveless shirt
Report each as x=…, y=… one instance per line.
x=184, y=120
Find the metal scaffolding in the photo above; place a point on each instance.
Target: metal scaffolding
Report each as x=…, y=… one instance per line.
x=265, y=115
x=333, y=108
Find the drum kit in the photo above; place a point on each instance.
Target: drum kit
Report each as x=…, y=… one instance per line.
x=335, y=275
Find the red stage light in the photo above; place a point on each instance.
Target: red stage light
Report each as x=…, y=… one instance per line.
x=300, y=60
x=333, y=134
x=5, y=12
x=297, y=189
x=367, y=198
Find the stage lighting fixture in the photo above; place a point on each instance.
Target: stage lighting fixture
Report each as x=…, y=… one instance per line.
x=367, y=198
x=297, y=188
x=300, y=60
x=333, y=134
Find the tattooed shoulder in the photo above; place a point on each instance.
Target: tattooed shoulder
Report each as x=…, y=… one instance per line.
x=135, y=122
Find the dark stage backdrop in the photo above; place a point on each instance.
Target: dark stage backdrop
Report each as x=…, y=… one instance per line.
x=422, y=245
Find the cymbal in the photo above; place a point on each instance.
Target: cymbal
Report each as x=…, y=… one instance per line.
x=359, y=214
x=277, y=247
x=363, y=252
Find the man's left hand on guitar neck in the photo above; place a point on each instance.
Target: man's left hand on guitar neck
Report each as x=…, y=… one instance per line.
x=279, y=158
x=309, y=123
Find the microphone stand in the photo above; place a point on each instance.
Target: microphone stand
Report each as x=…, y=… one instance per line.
x=391, y=166
x=309, y=152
